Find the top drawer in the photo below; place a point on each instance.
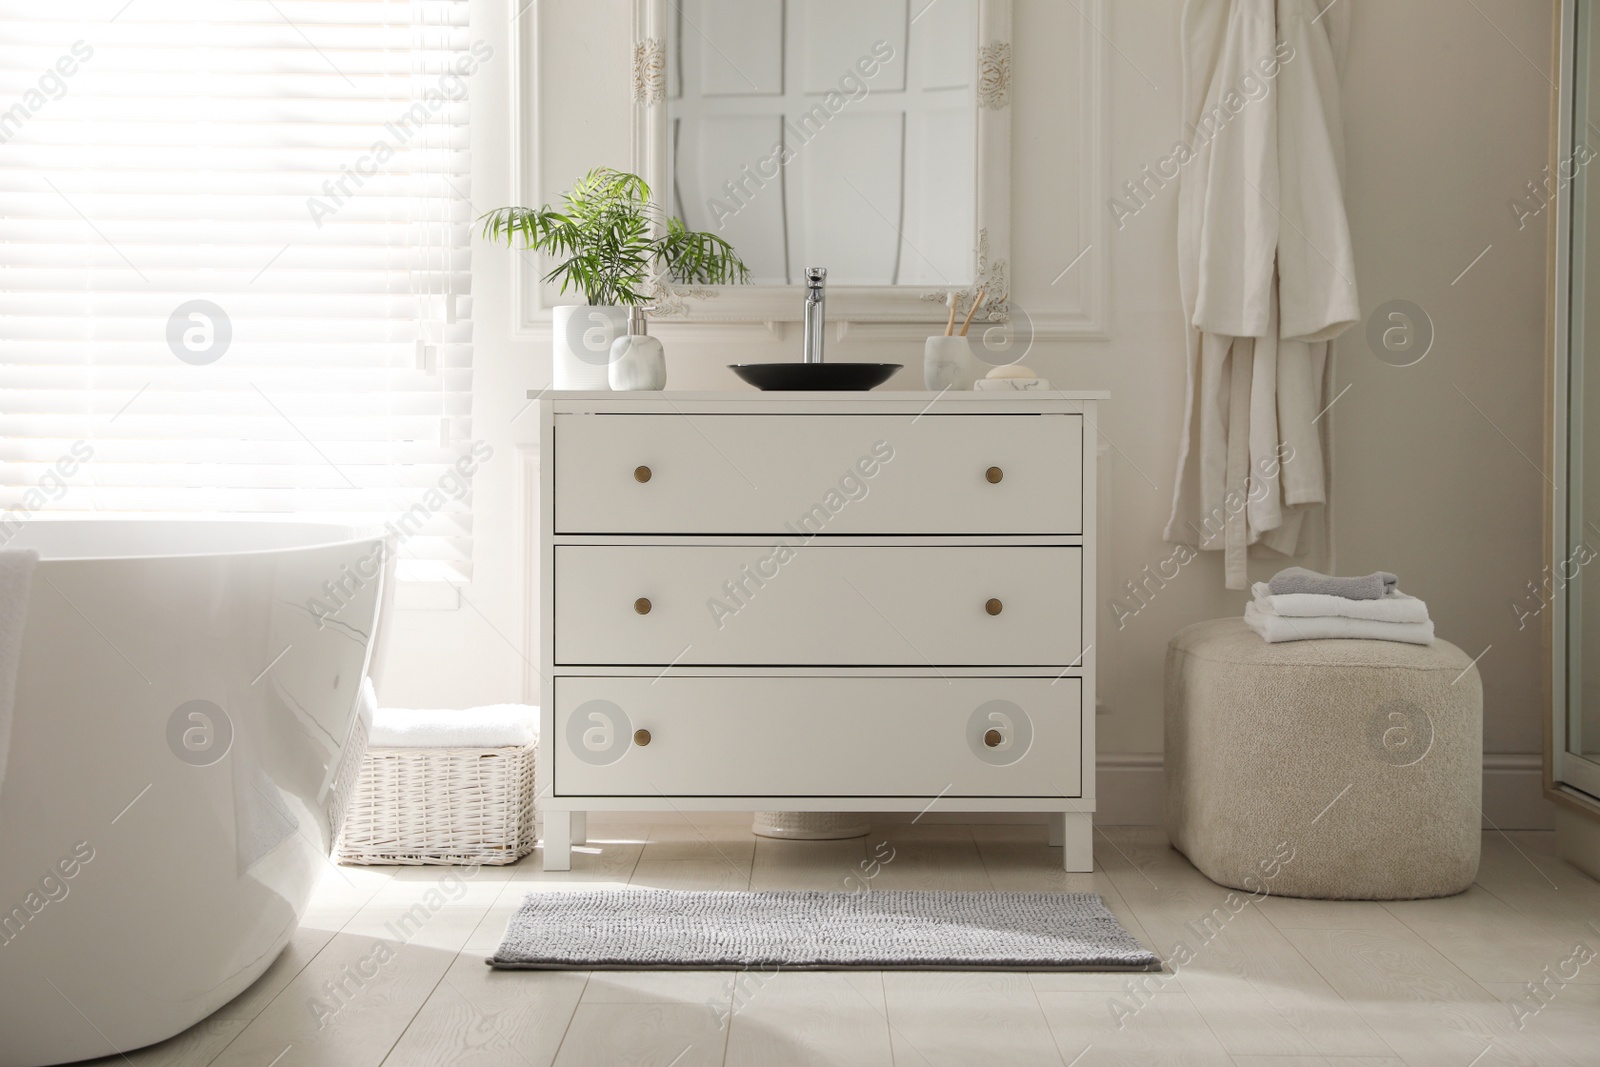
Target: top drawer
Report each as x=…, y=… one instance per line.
x=805, y=475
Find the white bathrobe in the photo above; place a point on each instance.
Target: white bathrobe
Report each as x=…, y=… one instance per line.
x=1265, y=268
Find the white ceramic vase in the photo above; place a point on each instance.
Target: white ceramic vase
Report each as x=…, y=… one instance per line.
x=950, y=363
x=581, y=340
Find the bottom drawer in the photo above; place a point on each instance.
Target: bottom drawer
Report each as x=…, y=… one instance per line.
x=817, y=737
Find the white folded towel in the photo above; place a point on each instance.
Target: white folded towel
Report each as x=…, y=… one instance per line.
x=494, y=726
x=16, y=581
x=361, y=732
x=1276, y=628
x=1394, y=607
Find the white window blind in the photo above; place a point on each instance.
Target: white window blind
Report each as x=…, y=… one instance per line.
x=236, y=263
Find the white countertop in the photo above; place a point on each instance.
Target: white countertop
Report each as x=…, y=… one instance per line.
x=949, y=398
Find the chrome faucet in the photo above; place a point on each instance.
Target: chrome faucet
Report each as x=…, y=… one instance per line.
x=816, y=311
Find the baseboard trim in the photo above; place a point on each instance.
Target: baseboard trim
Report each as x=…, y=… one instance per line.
x=1132, y=788
x=1578, y=840
x=1513, y=792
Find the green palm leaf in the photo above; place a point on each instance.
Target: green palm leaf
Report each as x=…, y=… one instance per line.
x=608, y=234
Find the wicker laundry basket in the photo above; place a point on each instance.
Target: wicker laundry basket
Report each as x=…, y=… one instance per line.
x=416, y=806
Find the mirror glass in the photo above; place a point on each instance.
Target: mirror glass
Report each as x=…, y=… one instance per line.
x=830, y=133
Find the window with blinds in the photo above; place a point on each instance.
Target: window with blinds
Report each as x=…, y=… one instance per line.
x=235, y=275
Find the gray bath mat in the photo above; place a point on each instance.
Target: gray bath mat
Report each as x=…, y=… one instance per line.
x=656, y=929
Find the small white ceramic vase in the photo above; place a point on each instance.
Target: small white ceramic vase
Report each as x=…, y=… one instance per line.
x=637, y=360
x=581, y=340
x=950, y=363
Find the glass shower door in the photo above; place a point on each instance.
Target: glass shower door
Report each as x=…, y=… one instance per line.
x=1574, y=581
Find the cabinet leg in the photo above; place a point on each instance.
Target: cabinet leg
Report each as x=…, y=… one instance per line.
x=580, y=827
x=1074, y=832
x=558, y=841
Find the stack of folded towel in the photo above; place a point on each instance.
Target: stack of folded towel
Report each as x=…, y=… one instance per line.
x=1302, y=605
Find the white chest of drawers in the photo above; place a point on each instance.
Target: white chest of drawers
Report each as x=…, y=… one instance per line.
x=817, y=602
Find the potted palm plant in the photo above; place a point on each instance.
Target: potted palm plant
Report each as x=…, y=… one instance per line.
x=615, y=244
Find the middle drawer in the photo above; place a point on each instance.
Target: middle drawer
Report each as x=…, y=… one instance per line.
x=817, y=605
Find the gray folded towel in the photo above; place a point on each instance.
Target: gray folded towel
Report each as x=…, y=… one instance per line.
x=1374, y=586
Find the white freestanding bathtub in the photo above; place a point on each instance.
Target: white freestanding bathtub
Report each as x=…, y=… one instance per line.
x=185, y=728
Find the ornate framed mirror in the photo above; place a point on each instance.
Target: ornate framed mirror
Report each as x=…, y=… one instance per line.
x=871, y=137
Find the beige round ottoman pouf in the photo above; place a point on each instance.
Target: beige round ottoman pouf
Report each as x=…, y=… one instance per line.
x=1347, y=770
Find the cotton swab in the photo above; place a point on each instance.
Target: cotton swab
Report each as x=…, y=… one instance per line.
x=975, y=302
x=950, y=327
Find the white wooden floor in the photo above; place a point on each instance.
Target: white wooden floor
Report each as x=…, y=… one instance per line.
x=1284, y=982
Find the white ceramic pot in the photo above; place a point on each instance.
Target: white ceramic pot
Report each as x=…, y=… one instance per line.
x=950, y=363
x=582, y=336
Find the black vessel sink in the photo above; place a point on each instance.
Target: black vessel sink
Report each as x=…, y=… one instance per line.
x=830, y=377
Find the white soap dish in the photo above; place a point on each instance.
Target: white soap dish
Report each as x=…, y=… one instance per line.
x=987, y=385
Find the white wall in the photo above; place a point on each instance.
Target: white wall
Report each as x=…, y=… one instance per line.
x=1446, y=113
x=1449, y=120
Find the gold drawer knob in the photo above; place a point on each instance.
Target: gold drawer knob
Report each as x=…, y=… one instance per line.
x=994, y=474
x=642, y=737
x=642, y=474
x=993, y=739
x=993, y=606
x=642, y=605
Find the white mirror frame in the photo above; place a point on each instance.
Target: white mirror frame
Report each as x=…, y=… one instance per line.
x=846, y=303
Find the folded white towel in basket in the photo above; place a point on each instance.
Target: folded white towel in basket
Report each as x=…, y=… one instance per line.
x=1392, y=607
x=367, y=706
x=494, y=726
x=1276, y=628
